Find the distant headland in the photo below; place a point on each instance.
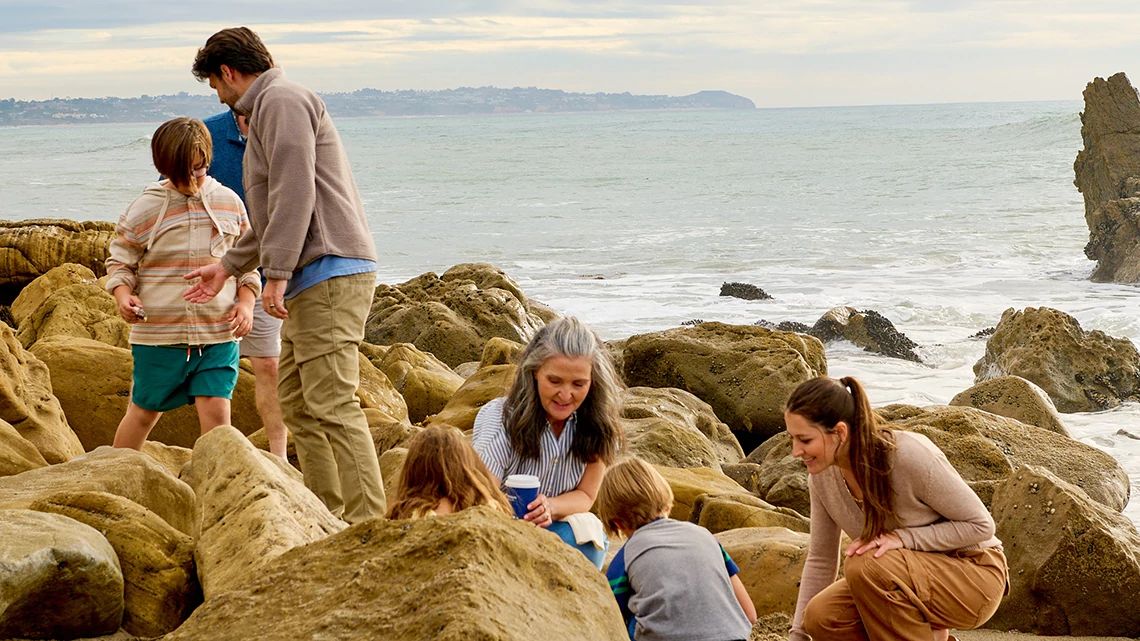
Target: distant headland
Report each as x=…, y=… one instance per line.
x=364, y=102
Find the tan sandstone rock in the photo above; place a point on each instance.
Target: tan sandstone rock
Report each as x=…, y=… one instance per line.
x=36, y=292
x=30, y=248
x=483, y=386
x=771, y=560
x=59, y=578
x=82, y=310
x=454, y=315
x=377, y=392
x=93, y=381
x=721, y=512
x=1074, y=564
x=984, y=448
x=126, y=473
x=28, y=404
x=425, y=382
x=1081, y=371
x=672, y=427
x=391, y=465
x=17, y=454
x=157, y=561
x=478, y=574
x=689, y=484
x=744, y=372
x=1110, y=129
x=1016, y=398
x=251, y=507
x=500, y=351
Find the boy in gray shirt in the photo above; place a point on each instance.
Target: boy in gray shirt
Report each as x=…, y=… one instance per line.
x=672, y=579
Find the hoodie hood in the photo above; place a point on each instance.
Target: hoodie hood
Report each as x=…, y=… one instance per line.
x=158, y=189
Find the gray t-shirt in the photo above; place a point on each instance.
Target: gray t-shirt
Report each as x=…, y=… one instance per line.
x=680, y=586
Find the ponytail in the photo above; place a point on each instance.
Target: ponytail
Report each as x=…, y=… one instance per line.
x=825, y=402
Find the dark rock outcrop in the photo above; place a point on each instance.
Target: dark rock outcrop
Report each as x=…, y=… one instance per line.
x=867, y=329
x=744, y=291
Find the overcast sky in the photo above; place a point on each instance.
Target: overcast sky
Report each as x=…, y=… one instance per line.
x=778, y=53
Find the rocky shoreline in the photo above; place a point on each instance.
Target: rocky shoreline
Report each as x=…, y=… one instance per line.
x=222, y=541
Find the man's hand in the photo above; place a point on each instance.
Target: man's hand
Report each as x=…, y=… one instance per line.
x=240, y=317
x=211, y=280
x=273, y=298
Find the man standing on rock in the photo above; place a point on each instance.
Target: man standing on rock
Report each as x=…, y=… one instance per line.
x=318, y=258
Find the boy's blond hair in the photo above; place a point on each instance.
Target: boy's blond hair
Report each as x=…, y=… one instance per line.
x=632, y=494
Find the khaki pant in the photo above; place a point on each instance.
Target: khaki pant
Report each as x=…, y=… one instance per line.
x=904, y=593
x=319, y=374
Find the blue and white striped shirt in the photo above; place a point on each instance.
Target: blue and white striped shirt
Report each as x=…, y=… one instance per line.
x=556, y=468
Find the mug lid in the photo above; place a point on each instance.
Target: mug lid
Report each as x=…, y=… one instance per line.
x=522, y=480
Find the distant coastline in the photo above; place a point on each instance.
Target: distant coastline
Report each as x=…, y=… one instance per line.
x=364, y=102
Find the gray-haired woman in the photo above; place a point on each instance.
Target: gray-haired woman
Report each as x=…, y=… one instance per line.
x=559, y=422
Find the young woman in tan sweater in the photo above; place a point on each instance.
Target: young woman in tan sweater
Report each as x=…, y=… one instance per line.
x=923, y=556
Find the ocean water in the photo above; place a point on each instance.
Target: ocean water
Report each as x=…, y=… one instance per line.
x=937, y=216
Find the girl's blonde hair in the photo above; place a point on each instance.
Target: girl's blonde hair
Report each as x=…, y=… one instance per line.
x=632, y=494
x=441, y=464
x=179, y=147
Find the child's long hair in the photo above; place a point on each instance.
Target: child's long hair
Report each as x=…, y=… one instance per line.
x=632, y=494
x=179, y=147
x=825, y=402
x=441, y=464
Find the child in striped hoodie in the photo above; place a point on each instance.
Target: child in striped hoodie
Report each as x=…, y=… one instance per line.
x=183, y=353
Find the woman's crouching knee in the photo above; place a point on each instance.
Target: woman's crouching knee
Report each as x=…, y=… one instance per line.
x=825, y=614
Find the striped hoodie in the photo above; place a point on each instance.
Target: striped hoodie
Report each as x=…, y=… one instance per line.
x=162, y=236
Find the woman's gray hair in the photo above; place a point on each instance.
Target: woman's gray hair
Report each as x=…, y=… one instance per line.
x=598, y=434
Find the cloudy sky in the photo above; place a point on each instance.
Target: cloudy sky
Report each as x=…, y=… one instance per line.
x=776, y=52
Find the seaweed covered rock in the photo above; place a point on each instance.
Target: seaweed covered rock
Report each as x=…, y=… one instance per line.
x=867, y=329
x=744, y=291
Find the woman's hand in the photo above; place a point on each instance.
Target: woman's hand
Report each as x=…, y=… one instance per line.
x=540, y=513
x=882, y=544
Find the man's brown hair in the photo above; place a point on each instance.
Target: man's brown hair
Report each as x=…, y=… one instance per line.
x=238, y=48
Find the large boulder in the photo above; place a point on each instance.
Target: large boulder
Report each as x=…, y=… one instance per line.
x=1081, y=371
x=771, y=560
x=30, y=248
x=251, y=507
x=452, y=316
x=58, y=307
x=59, y=578
x=17, y=454
x=867, y=329
x=425, y=382
x=473, y=575
x=157, y=561
x=672, y=427
x=1074, y=564
x=1105, y=175
x=126, y=473
x=1016, y=398
x=28, y=404
x=93, y=383
x=744, y=372
x=985, y=449
x=483, y=386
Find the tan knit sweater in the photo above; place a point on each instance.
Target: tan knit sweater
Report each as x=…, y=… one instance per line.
x=935, y=511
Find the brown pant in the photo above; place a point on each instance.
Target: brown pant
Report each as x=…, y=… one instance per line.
x=904, y=594
x=318, y=376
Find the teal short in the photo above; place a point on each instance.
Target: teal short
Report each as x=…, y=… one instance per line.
x=168, y=377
